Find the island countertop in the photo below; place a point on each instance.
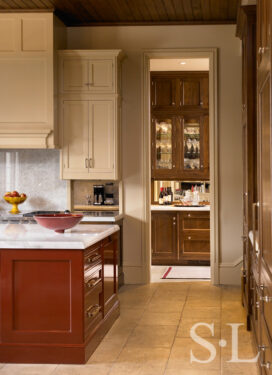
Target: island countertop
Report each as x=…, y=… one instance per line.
x=30, y=236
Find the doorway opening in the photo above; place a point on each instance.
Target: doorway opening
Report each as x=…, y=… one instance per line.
x=180, y=154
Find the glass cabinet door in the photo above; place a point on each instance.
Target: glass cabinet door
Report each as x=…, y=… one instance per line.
x=164, y=156
x=192, y=145
x=163, y=148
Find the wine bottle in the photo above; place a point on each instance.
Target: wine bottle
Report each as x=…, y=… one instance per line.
x=161, y=196
x=165, y=196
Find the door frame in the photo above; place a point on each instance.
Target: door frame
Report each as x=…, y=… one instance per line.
x=212, y=55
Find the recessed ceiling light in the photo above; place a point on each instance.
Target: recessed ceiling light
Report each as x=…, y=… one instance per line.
x=182, y=63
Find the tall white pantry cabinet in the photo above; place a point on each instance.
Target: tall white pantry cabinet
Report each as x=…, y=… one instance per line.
x=89, y=113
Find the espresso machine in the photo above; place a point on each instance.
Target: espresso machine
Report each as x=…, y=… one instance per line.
x=109, y=194
x=99, y=195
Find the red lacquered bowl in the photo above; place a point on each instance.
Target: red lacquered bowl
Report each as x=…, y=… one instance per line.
x=58, y=222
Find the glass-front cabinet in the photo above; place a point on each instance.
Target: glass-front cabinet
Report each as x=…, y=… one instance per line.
x=180, y=147
x=163, y=146
x=194, y=151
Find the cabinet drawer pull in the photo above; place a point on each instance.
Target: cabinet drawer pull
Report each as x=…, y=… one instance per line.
x=93, y=282
x=90, y=163
x=86, y=163
x=93, y=311
x=266, y=365
x=266, y=299
x=93, y=258
x=262, y=348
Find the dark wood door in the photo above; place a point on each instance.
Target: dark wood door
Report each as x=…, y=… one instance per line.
x=164, y=92
x=264, y=9
x=164, y=237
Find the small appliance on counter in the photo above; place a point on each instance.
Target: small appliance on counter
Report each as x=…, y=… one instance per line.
x=109, y=194
x=99, y=195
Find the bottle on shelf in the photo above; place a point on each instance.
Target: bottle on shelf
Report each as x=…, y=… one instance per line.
x=161, y=196
x=165, y=197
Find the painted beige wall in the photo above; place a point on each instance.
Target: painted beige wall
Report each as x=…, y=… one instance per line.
x=133, y=40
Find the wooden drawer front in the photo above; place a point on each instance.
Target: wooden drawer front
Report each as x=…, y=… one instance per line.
x=266, y=298
x=93, y=307
x=195, y=245
x=265, y=357
x=196, y=223
x=92, y=278
x=92, y=258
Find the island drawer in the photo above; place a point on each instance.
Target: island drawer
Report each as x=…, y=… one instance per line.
x=92, y=257
x=92, y=278
x=93, y=307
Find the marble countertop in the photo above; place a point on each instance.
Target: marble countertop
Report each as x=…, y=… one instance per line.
x=89, y=217
x=173, y=208
x=29, y=236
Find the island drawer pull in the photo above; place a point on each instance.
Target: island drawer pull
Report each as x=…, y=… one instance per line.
x=93, y=311
x=93, y=282
x=93, y=258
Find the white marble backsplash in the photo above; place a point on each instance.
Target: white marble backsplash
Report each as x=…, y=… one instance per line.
x=35, y=173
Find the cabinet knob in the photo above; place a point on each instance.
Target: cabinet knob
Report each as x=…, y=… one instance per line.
x=201, y=103
x=173, y=103
x=189, y=215
x=189, y=238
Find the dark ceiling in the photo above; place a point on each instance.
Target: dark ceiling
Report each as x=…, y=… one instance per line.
x=132, y=12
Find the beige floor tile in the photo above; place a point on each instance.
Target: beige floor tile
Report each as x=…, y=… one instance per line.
x=120, y=332
x=134, y=301
x=130, y=315
x=1, y=365
x=232, y=293
x=186, y=325
x=180, y=356
x=201, y=312
x=180, y=371
x=165, y=306
x=27, y=369
x=152, y=336
x=157, y=318
x=243, y=335
x=240, y=369
x=96, y=369
x=106, y=352
x=151, y=361
x=194, y=302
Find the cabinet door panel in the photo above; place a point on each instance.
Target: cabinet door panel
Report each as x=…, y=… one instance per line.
x=75, y=75
x=26, y=90
x=35, y=311
x=164, y=237
x=194, y=93
x=101, y=75
x=75, y=138
x=8, y=33
x=34, y=34
x=101, y=137
x=164, y=93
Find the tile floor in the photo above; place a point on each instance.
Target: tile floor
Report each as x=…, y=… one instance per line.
x=152, y=335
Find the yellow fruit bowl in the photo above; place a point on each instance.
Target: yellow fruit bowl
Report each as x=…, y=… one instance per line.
x=14, y=201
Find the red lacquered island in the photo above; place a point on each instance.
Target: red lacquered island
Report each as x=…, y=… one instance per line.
x=58, y=292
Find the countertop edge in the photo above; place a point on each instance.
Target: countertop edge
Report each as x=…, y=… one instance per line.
x=185, y=208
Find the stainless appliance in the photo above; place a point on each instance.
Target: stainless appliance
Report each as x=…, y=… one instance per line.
x=99, y=195
x=109, y=194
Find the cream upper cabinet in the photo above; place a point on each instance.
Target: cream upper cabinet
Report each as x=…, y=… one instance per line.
x=89, y=139
x=88, y=71
x=27, y=81
x=89, y=102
